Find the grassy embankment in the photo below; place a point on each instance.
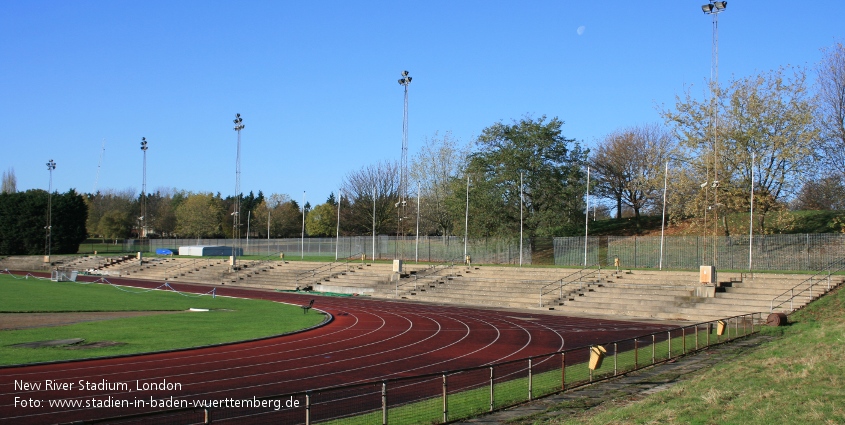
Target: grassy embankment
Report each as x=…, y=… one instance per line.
x=796, y=378
x=228, y=319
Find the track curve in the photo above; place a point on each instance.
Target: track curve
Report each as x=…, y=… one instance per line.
x=368, y=339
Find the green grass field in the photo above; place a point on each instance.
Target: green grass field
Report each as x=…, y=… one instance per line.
x=228, y=319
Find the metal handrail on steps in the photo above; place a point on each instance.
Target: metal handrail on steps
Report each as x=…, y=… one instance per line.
x=580, y=274
x=428, y=272
x=821, y=276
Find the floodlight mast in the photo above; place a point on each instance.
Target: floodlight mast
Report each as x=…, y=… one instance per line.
x=714, y=8
x=143, y=230
x=403, y=165
x=51, y=165
x=236, y=220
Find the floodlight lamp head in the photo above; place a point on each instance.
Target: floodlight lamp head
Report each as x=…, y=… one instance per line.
x=707, y=8
x=404, y=73
x=409, y=79
x=720, y=5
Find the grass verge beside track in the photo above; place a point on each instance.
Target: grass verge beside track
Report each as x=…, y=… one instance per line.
x=228, y=319
x=797, y=378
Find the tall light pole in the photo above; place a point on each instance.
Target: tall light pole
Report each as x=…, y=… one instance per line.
x=302, y=238
x=143, y=230
x=417, y=244
x=337, y=240
x=405, y=81
x=236, y=220
x=466, y=222
x=663, y=217
x=751, y=218
x=51, y=165
x=521, y=203
x=714, y=8
x=587, y=217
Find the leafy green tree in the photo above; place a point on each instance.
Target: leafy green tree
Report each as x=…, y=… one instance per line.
x=553, y=169
x=115, y=224
x=322, y=220
x=69, y=217
x=769, y=116
x=23, y=219
x=101, y=203
x=200, y=215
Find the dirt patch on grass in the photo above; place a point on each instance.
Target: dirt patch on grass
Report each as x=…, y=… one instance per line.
x=12, y=321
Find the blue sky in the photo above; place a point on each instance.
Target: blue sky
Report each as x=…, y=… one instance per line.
x=316, y=82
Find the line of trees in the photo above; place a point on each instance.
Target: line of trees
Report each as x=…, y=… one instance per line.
x=24, y=224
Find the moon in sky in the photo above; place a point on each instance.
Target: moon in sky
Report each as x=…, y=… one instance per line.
x=581, y=30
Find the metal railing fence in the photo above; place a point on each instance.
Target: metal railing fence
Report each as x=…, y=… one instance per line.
x=459, y=394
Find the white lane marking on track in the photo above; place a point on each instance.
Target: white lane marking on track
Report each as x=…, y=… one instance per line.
x=259, y=374
x=467, y=329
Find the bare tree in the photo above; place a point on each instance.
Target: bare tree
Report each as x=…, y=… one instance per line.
x=831, y=104
x=821, y=194
x=630, y=164
x=10, y=182
x=381, y=180
x=439, y=162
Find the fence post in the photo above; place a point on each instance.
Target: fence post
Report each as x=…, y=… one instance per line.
x=696, y=336
x=684, y=340
x=653, y=342
x=206, y=417
x=615, y=359
x=636, y=353
x=562, y=371
x=669, y=333
x=492, y=394
x=308, y=408
x=530, y=382
x=383, y=402
x=709, y=331
x=445, y=401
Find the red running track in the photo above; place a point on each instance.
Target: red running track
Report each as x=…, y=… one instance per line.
x=369, y=339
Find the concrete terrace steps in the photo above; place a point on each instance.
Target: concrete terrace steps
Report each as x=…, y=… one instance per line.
x=637, y=293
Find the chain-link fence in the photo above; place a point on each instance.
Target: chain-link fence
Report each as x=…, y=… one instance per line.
x=460, y=394
x=426, y=248
x=764, y=252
